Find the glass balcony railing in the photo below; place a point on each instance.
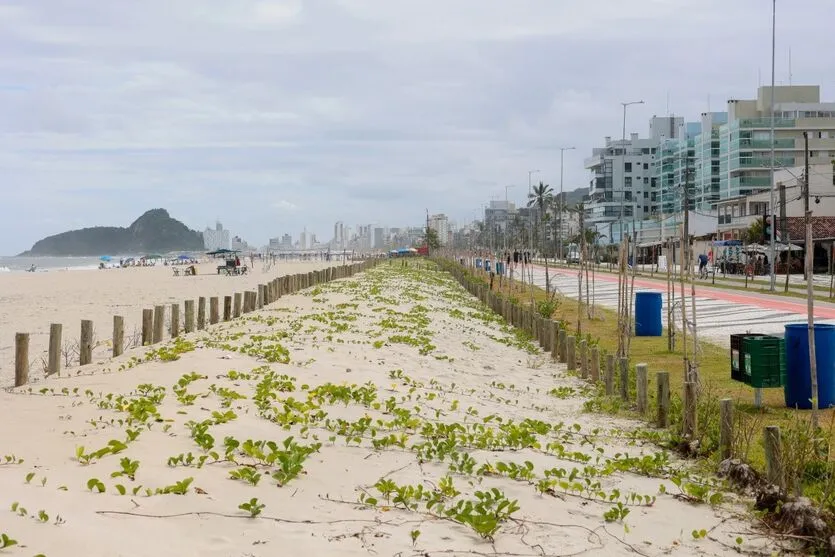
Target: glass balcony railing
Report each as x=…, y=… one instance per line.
x=760, y=162
x=749, y=182
x=748, y=123
x=779, y=143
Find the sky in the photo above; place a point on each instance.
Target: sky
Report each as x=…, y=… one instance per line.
x=275, y=115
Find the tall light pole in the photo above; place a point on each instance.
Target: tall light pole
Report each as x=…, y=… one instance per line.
x=623, y=164
x=530, y=217
x=773, y=160
x=562, y=199
x=506, y=214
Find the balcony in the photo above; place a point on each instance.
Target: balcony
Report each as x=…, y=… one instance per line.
x=750, y=182
x=727, y=222
x=760, y=162
x=762, y=123
x=592, y=162
x=784, y=143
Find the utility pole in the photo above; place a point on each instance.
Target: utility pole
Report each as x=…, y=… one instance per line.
x=773, y=159
x=810, y=293
x=562, y=198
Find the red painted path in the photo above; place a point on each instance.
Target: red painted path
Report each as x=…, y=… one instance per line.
x=791, y=305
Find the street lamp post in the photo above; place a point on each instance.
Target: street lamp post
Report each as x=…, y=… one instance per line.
x=506, y=214
x=562, y=198
x=773, y=160
x=623, y=165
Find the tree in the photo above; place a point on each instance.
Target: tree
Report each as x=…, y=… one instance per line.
x=754, y=233
x=541, y=197
x=430, y=238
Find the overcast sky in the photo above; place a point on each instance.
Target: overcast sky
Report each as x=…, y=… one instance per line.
x=277, y=114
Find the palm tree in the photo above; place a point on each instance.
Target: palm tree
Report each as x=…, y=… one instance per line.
x=541, y=198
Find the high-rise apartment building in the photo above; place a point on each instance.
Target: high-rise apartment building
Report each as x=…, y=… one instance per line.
x=440, y=224
x=216, y=238
x=622, y=177
x=745, y=141
x=339, y=235
x=706, y=192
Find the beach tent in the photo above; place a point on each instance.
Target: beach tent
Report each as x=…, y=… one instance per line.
x=184, y=257
x=105, y=258
x=221, y=252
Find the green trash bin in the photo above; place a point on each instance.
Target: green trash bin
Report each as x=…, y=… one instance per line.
x=765, y=361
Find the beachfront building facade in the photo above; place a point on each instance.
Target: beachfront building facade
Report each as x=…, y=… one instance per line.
x=623, y=184
x=440, y=224
x=216, y=238
x=745, y=141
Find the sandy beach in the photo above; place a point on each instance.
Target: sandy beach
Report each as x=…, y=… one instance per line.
x=387, y=414
x=29, y=302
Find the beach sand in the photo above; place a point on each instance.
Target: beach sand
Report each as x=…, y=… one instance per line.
x=29, y=302
x=387, y=380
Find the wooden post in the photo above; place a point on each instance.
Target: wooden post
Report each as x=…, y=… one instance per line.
x=189, y=309
x=690, y=424
x=175, y=320
x=55, y=333
x=147, y=327
x=726, y=428
x=569, y=350
x=214, y=310
x=85, y=343
x=236, y=305
x=562, y=345
x=159, y=323
x=595, y=363
x=227, y=308
x=609, y=378
x=662, y=379
x=774, y=456
x=624, y=379
x=21, y=359
x=555, y=341
x=201, y=313
x=584, y=359
x=118, y=335
x=261, y=290
x=641, y=387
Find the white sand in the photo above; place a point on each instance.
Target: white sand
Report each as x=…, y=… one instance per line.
x=29, y=302
x=467, y=379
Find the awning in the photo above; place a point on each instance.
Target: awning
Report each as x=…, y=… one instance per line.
x=650, y=244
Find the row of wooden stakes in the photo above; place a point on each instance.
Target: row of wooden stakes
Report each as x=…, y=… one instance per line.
x=153, y=320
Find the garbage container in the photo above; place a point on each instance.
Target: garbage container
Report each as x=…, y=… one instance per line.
x=764, y=361
x=798, y=388
x=648, y=314
x=738, y=356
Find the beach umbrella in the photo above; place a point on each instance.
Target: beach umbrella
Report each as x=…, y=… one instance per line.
x=184, y=257
x=105, y=258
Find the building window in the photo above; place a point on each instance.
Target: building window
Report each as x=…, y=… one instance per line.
x=646, y=195
x=627, y=181
x=646, y=166
x=627, y=167
x=646, y=180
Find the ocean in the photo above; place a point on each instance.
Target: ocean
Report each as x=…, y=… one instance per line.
x=42, y=264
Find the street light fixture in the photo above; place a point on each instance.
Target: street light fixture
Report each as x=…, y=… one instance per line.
x=562, y=199
x=623, y=166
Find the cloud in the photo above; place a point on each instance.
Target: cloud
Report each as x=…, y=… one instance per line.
x=354, y=110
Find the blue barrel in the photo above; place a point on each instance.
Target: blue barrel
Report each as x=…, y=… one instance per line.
x=499, y=268
x=478, y=263
x=798, y=389
x=648, y=314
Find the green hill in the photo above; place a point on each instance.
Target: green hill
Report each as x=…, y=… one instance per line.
x=155, y=231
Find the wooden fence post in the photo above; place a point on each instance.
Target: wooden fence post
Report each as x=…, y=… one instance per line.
x=189, y=309
x=85, y=343
x=624, y=379
x=118, y=335
x=159, y=323
x=609, y=378
x=641, y=387
x=662, y=379
x=555, y=342
x=201, y=313
x=690, y=424
x=595, y=363
x=21, y=359
x=147, y=327
x=584, y=359
x=569, y=349
x=561, y=339
x=227, y=308
x=261, y=290
x=774, y=456
x=214, y=310
x=726, y=428
x=56, y=331
x=175, y=320
x=237, y=309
